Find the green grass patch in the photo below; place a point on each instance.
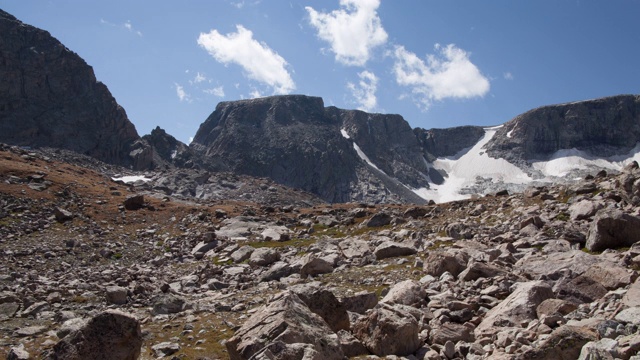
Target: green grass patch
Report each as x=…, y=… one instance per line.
x=441, y=244
x=563, y=217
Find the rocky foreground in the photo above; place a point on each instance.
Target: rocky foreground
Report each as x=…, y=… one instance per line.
x=92, y=268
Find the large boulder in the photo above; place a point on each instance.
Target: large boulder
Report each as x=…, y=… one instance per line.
x=285, y=329
x=393, y=249
x=111, y=335
x=517, y=310
x=613, y=228
x=564, y=343
x=324, y=303
x=408, y=292
x=387, y=330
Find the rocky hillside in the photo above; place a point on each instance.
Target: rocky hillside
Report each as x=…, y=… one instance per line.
x=88, y=264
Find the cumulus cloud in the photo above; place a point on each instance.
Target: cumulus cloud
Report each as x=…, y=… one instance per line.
x=352, y=31
x=216, y=91
x=256, y=58
x=182, y=94
x=447, y=74
x=365, y=91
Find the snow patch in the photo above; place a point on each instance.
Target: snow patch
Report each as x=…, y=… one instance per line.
x=463, y=169
x=345, y=134
x=509, y=134
x=364, y=157
x=564, y=161
x=174, y=153
x=131, y=178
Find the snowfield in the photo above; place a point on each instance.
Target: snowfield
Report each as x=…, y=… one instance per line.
x=131, y=178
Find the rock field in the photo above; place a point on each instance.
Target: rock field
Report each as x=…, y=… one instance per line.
x=93, y=268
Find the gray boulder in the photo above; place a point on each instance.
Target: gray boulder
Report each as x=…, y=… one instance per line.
x=110, y=335
x=285, y=329
x=387, y=330
x=612, y=228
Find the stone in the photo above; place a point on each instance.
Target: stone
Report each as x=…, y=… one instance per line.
x=62, y=215
x=601, y=349
x=278, y=270
x=351, y=347
x=30, y=330
x=168, y=304
x=408, y=292
x=116, y=295
x=242, y=254
x=323, y=303
x=134, y=202
x=165, y=349
x=476, y=270
x=437, y=263
x=354, y=248
x=611, y=276
x=518, y=308
x=70, y=326
x=612, y=228
x=390, y=249
x=451, y=332
x=18, y=353
x=263, y=257
x=555, y=307
x=313, y=265
x=276, y=233
x=632, y=297
x=360, y=302
x=379, y=219
x=386, y=330
x=284, y=327
x=584, y=209
x=109, y=335
x=458, y=231
x=564, y=343
x=629, y=316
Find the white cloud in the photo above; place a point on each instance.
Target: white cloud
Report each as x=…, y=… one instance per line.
x=257, y=59
x=508, y=75
x=182, y=95
x=127, y=25
x=216, y=91
x=255, y=94
x=352, y=31
x=365, y=91
x=448, y=74
x=198, y=79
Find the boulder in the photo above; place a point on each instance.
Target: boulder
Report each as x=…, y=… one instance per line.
x=278, y=270
x=387, y=330
x=451, y=332
x=476, y=270
x=263, y=257
x=612, y=228
x=437, y=263
x=242, y=254
x=116, y=295
x=354, y=248
x=564, y=343
x=408, y=292
x=517, y=310
x=285, y=329
x=393, y=249
x=312, y=266
x=62, y=215
x=584, y=209
x=324, y=303
x=168, y=304
x=110, y=335
x=360, y=302
x=134, y=202
x=601, y=349
x=379, y=219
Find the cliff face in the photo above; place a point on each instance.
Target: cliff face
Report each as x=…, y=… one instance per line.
x=437, y=143
x=50, y=97
x=296, y=141
x=602, y=127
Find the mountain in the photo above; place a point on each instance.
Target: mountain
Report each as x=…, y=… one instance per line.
x=50, y=97
x=296, y=141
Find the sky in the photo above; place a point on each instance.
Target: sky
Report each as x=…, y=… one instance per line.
x=438, y=64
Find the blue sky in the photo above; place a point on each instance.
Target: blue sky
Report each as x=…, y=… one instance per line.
x=436, y=63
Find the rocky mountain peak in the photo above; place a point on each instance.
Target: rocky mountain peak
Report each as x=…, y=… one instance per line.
x=50, y=97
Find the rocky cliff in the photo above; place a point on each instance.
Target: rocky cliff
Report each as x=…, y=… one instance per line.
x=603, y=127
x=296, y=141
x=49, y=96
